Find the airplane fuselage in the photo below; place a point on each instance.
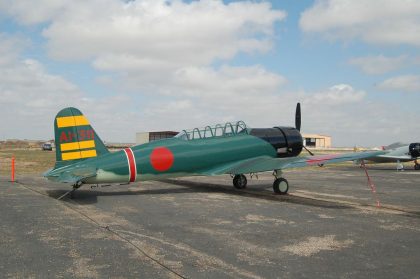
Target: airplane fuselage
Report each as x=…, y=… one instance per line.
x=173, y=157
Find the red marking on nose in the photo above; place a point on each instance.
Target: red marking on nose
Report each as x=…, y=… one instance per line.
x=162, y=159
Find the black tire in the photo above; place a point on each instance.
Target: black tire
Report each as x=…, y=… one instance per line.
x=281, y=186
x=417, y=167
x=239, y=181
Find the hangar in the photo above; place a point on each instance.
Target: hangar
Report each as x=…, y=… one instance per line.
x=145, y=137
x=316, y=141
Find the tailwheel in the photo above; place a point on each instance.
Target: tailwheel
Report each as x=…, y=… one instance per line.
x=281, y=186
x=76, y=186
x=239, y=181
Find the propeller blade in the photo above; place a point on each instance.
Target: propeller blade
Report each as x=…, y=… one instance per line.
x=298, y=117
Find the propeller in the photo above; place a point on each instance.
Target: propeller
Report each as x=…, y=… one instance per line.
x=298, y=117
x=298, y=122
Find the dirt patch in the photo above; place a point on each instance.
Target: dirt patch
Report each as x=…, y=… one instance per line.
x=325, y=216
x=220, y=221
x=314, y=245
x=101, y=217
x=251, y=219
x=395, y=227
x=81, y=267
x=252, y=253
x=206, y=198
x=330, y=195
x=125, y=209
x=159, y=247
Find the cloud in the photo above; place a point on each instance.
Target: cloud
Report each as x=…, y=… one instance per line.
x=26, y=82
x=193, y=96
x=29, y=12
x=384, y=22
x=162, y=52
x=30, y=97
x=380, y=64
x=405, y=83
x=227, y=81
x=337, y=95
x=169, y=48
x=166, y=65
x=203, y=95
x=352, y=119
x=10, y=48
x=146, y=35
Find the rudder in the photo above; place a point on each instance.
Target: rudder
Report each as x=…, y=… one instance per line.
x=75, y=139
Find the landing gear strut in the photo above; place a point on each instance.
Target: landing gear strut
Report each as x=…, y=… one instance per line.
x=280, y=185
x=400, y=166
x=416, y=165
x=239, y=181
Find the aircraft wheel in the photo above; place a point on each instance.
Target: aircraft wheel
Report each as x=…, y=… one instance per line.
x=281, y=186
x=417, y=167
x=239, y=181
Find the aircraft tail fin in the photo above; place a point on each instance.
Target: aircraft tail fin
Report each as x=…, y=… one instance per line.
x=75, y=139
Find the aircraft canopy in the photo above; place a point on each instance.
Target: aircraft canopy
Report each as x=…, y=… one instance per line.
x=218, y=130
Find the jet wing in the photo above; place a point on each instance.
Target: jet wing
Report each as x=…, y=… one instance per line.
x=71, y=175
x=266, y=163
x=390, y=158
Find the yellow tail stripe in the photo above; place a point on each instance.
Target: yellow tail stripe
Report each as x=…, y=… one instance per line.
x=88, y=153
x=71, y=121
x=77, y=145
x=70, y=156
x=78, y=155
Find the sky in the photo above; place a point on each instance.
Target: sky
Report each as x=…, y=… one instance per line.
x=150, y=65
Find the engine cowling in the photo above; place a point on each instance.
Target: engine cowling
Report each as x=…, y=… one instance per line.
x=287, y=141
x=414, y=150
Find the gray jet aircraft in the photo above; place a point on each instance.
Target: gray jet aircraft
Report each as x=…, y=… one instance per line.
x=399, y=152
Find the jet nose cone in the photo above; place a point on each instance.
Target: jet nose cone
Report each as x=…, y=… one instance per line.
x=414, y=149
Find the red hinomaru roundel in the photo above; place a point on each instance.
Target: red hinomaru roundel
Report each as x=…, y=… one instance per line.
x=162, y=159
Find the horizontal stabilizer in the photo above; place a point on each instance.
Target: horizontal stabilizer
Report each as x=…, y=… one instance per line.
x=72, y=175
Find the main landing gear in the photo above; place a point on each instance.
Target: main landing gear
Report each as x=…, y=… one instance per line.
x=416, y=165
x=239, y=181
x=400, y=166
x=280, y=184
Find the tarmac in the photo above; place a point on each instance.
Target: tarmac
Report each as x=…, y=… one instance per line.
x=329, y=226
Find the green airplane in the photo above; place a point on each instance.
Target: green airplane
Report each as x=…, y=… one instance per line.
x=233, y=148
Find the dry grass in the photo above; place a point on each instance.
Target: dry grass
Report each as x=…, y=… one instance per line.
x=27, y=161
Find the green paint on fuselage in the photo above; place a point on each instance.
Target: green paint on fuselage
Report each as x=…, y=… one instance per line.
x=191, y=157
x=196, y=155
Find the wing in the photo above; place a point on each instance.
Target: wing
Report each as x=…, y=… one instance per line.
x=266, y=163
x=389, y=158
